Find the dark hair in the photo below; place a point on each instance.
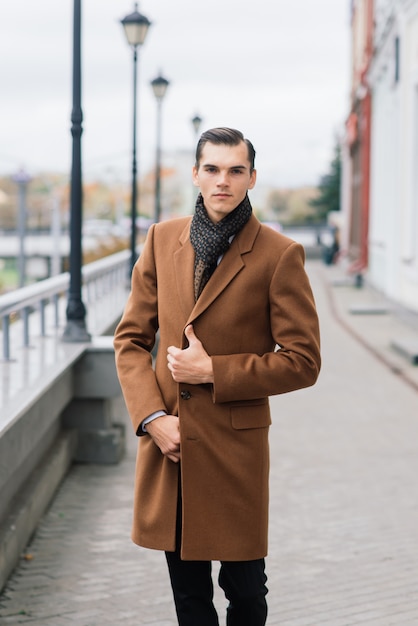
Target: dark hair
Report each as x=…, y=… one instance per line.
x=226, y=136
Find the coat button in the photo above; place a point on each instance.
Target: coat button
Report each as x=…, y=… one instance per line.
x=185, y=395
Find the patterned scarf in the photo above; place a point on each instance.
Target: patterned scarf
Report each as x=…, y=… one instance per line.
x=211, y=240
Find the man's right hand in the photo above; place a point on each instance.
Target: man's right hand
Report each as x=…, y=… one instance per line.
x=165, y=432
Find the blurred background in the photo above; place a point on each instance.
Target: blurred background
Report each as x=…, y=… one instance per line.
x=326, y=91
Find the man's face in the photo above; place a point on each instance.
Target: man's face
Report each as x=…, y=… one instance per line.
x=223, y=177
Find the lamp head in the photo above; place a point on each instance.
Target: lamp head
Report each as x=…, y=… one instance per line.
x=159, y=86
x=196, y=121
x=136, y=27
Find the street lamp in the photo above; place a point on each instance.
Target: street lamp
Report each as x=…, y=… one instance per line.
x=75, y=329
x=21, y=179
x=196, y=121
x=136, y=27
x=159, y=87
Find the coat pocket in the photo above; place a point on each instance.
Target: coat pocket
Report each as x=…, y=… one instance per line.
x=251, y=415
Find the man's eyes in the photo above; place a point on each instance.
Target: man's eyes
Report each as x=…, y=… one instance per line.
x=214, y=170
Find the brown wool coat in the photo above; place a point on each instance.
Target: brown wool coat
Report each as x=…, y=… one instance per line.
x=258, y=296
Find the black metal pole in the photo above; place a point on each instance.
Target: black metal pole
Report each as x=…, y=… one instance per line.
x=134, y=193
x=157, y=212
x=75, y=330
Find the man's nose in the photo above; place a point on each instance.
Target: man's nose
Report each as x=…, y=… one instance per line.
x=222, y=178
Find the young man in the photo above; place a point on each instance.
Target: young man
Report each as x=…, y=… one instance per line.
x=237, y=324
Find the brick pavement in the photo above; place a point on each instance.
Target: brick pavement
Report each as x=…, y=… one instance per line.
x=344, y=505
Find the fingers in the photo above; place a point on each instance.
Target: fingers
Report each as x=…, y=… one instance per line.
x=189, y=332
x=172, y=451
x=175, y=356
x=173, y=351
x=165, y=432
x=172, y=354
x=175, y=458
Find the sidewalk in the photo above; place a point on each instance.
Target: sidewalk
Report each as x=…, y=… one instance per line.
x=344, y=500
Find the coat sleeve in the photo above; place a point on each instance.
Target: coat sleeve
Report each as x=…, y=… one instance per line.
x=134, y=340
x=295, y=330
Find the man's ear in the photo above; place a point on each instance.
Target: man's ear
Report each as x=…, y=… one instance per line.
x=253, y=179
x=195, y=176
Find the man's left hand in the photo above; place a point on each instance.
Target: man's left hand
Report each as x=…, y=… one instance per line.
x=192, y=365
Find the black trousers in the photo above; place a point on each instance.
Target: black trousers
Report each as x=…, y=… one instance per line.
x=243, y=582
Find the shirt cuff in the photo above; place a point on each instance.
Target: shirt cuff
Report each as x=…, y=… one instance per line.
x=151, y=418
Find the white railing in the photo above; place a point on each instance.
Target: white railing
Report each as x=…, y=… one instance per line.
x=99, y=277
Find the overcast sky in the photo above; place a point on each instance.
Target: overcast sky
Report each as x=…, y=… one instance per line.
x=276, y=69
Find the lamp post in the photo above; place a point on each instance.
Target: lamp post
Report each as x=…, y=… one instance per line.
x=159, y=87
x=75, y=329
x=196, y=122
x=136, y=27
x=21, y=179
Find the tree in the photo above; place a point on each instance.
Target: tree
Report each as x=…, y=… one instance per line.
x=328, y=198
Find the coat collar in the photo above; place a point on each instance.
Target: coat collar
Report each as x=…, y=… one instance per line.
x=229, y=267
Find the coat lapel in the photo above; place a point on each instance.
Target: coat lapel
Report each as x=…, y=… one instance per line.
x=231, y=264
x=184, y=270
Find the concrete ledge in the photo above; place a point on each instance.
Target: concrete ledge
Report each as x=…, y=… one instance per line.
x=36, y=451
x=407, y=347
x=95, y=372
x=96, y=384
x=29, y=505
x=26, y=440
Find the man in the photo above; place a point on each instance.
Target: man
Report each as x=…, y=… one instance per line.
x=237, y=323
